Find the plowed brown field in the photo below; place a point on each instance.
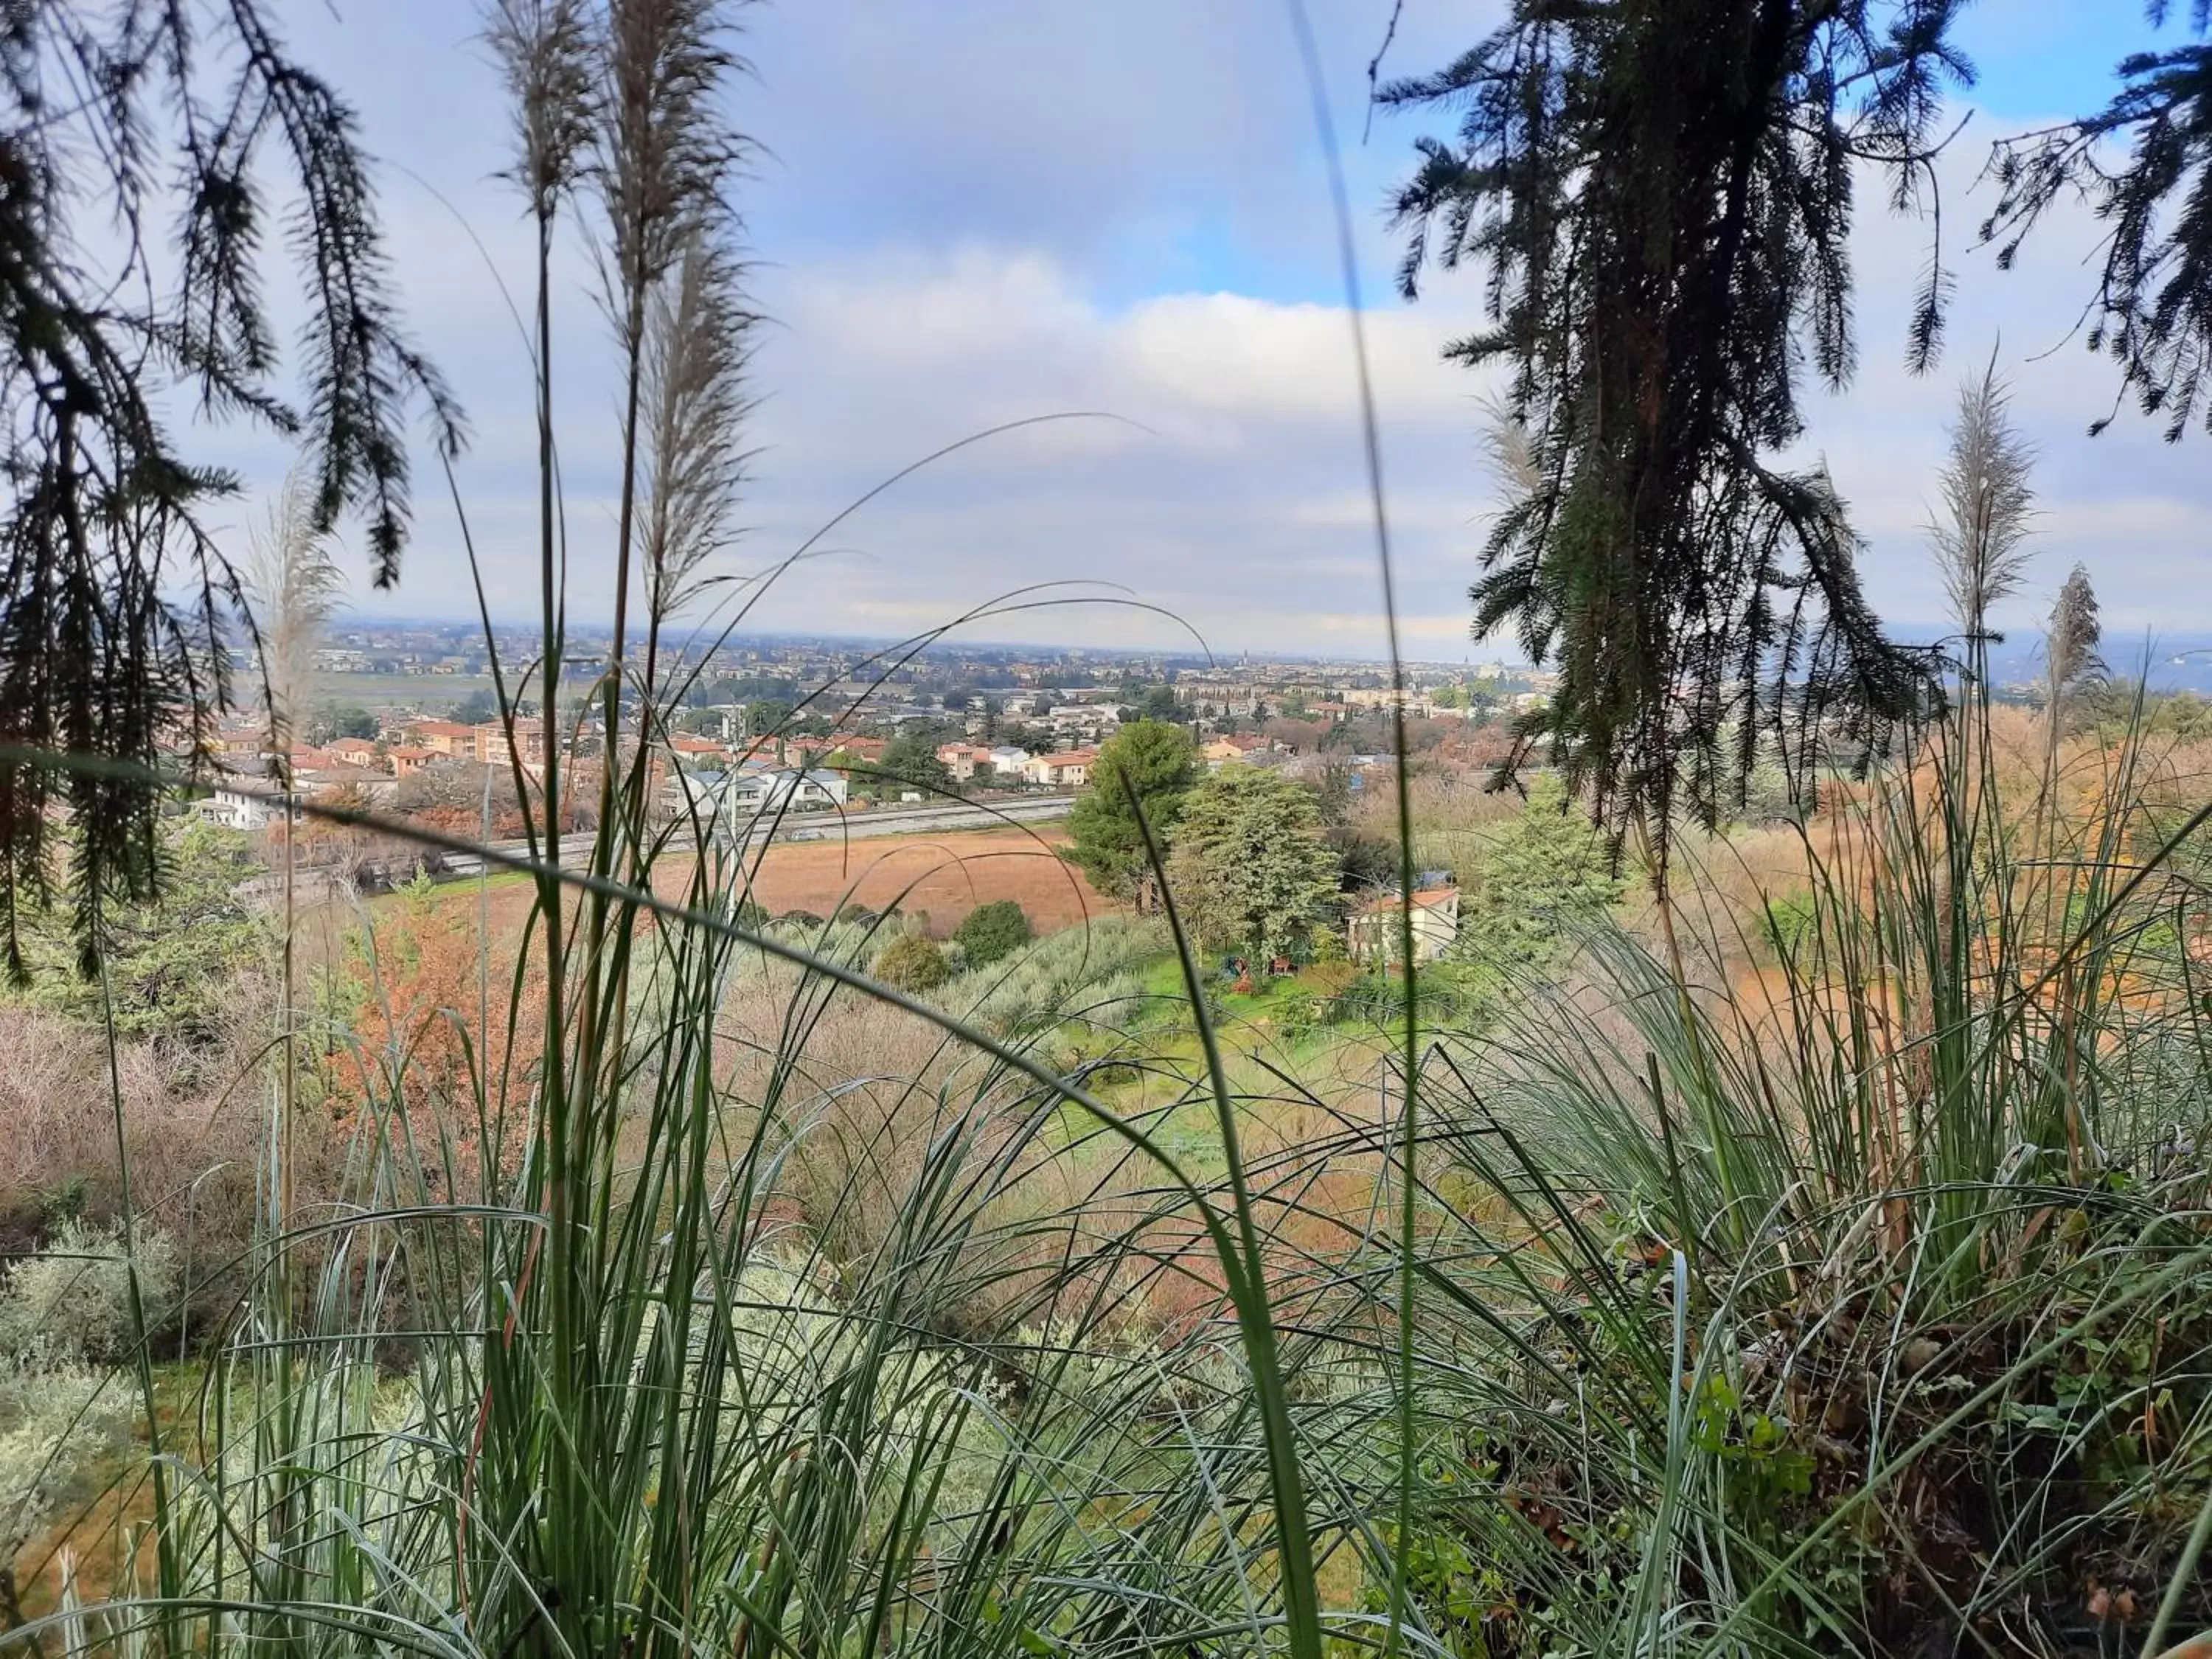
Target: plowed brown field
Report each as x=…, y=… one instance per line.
x=946, y=875
x=942, y=876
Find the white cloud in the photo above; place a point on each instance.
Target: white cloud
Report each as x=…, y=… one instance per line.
x=979, y=210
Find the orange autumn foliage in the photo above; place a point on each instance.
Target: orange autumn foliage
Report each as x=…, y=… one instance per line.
x=440, y=1026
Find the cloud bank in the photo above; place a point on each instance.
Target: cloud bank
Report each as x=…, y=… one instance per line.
x=971, y=212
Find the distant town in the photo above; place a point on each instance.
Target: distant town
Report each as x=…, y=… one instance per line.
x=428, y=722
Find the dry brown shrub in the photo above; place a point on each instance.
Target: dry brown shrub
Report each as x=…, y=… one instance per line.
x=193, y=1123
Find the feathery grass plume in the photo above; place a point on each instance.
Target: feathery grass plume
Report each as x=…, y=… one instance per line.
x=294, y=586
x=545, y=49
x=698, y=348
x=1507, y=448
x=546, y=53
x=2069, y=655
x=1988, y=505
x=666, y=154
x=2070, y=641
x=666, y=147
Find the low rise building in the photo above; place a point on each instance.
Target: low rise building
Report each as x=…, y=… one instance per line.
x=493, y=742
x=734, y=801
x=248, y=803
x=1069, y=770
x=448, y=738
x=1221, y=751
x=963, y=760
x=1376, y=934
x=687, y=747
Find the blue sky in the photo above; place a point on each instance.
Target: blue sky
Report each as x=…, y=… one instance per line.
x=971, y=210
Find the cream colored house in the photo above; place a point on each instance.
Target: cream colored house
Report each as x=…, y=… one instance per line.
x=1069, y=770
x=1374, y=931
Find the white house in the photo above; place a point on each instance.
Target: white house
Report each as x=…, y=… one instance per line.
x=735, y=799
x=1376, y=932
x=809, y=791
x=241, y=805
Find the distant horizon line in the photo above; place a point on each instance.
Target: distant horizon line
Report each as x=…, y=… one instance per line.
x=2151, y=648
x=1226, y=655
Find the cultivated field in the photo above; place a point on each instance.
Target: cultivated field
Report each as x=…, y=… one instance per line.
x=944, y=875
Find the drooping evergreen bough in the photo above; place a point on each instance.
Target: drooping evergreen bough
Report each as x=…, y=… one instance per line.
x=1661, y=194
x=123, y=127
x=2144, y=165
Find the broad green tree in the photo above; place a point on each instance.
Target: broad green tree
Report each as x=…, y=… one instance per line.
x=1250, y=869
x=910, y=758
x=1160, y=703
x=335, y=720
x=171, y=964
x=1547, y=875
x=990, y=931
x=1148, y=765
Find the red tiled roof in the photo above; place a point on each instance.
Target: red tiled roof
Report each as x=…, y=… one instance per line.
x=1427, y=899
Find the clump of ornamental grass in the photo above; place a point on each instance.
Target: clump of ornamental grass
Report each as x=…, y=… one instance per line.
x=1859, y=1309
x=635, y=1326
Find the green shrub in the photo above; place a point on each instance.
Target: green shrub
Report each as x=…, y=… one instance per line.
x=992, y=931
x=57, y=1419
x=71, y=1302
x=912, y=961
x=1789, y=923
x=65, y=1316
x=1549, y=876
x=1078, y=970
